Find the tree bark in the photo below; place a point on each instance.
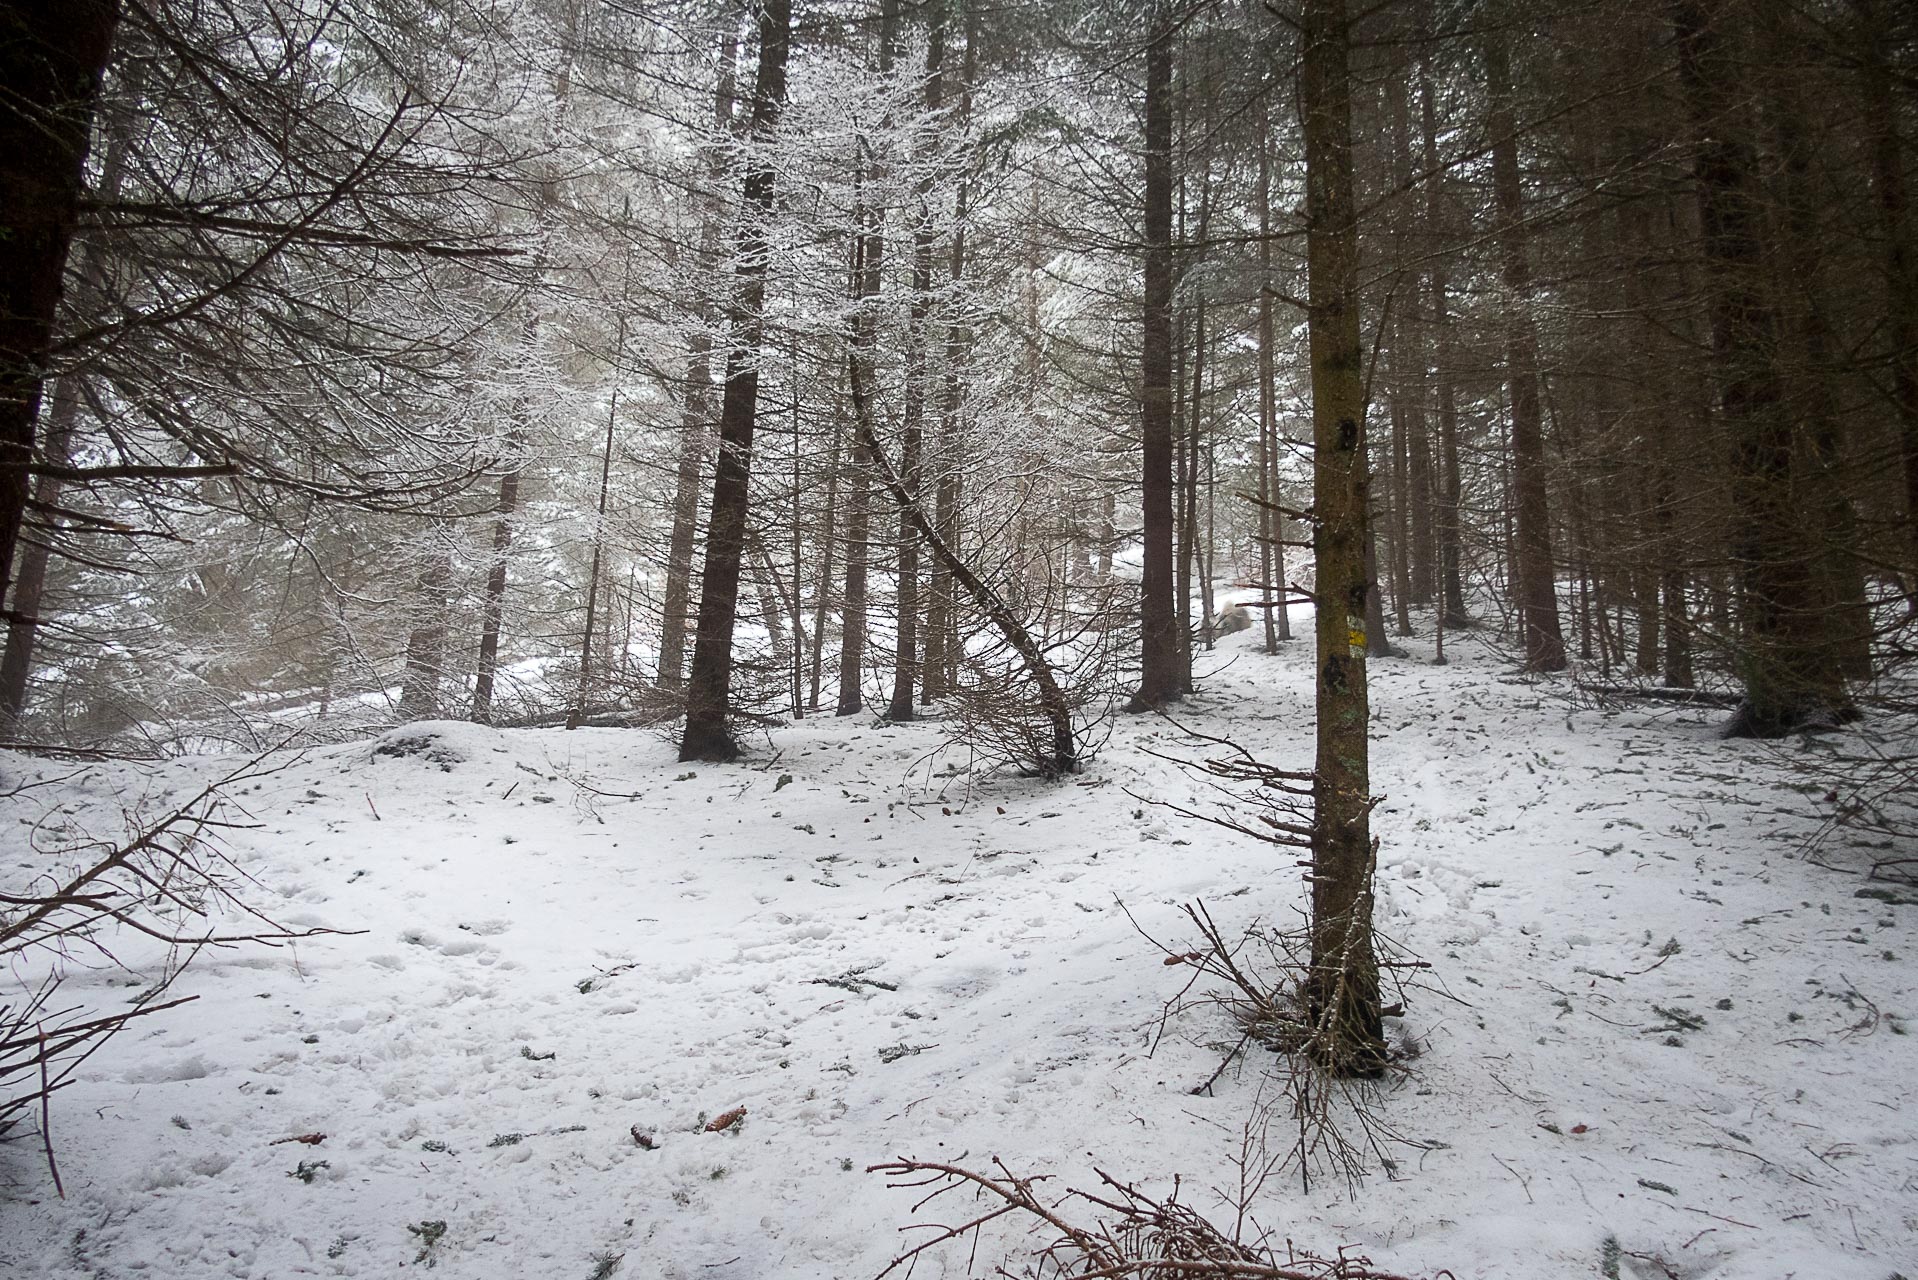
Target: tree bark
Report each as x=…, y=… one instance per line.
x=1159, y=638
x=1448, y=509
x=1812, y=394
x=1271, y=519
x=52, y=58
x=426, y=642
x=1789, y=676
x=30, y=576
x=1536, y=572
x=1901, y=258
x=905, y=671
x=828, y=545
x=695, y=418
x=1343, y=985
x=493, y=607
x=709, y=688
x=1409, y=372
x=599, y=539
x=868, y=276
x=942, y=618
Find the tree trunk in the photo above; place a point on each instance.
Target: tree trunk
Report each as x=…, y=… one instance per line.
x=1271, y=519
x=1813, y=394
x=493, y=607
x=1191, y=563
x=868, y=276
x=905, y=672
x=1401, y=499
x=30, y=575
x=599, y=540
x=674, y=608
x=852, y=622
x=52, y=58
x=828, y=545
x=1159, y=638
x=1061, y=757
x=426, y=642
x=1343, y=986
x=1536, y=573
x=1789, y=674
x=1409, y=373
x=1448, y=519
x=709, y=689
x=1901, y=258
x=942, y=618
x=696, y=403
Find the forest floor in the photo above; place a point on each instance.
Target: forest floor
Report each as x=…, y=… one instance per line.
x=1671, y=1023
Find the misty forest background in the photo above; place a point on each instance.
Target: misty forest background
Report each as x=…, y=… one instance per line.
x=391, y=348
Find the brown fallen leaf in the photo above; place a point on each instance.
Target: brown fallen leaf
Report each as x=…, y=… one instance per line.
x=310, y=1139
x=1580, y=1128
x=726, y=1120
x=644, y=1139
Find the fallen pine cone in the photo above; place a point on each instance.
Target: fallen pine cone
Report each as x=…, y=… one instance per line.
x=726, y=1120
x=645, y=1140
x=310, y=1139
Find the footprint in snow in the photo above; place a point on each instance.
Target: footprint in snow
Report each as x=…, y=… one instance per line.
x=455, y=947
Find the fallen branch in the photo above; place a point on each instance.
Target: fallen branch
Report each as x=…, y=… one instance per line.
x=1133, y=1235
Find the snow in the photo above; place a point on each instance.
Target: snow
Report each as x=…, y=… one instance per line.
x=565, y=940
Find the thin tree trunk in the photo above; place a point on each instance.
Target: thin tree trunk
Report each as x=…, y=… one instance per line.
x=1062, y=756
x=1449, y=507
x=796, y=532
x=1159, y=641
x=30, y=575
x=1536, y=572
x=1271, y=521
x=771, y=594
x=828, y=544
x=1408, y=360
x=599, y=539
x=1377, y=645
x=426, y=642
x=1401, y=497
x=942, y=630
x=493, y=607
x=1189, y=557
x=905, y=673
x=868, y=276
x=852, y=628
x=696, y=405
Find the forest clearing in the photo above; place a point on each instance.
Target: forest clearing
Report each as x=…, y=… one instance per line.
x=1671, y=1017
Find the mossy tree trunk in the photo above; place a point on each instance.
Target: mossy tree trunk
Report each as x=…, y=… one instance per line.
x=1343, y=988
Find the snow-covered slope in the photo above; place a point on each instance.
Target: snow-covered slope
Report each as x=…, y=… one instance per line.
x=1670, y=1028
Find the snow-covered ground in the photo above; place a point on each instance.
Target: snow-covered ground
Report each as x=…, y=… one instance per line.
x=1670, y=1027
